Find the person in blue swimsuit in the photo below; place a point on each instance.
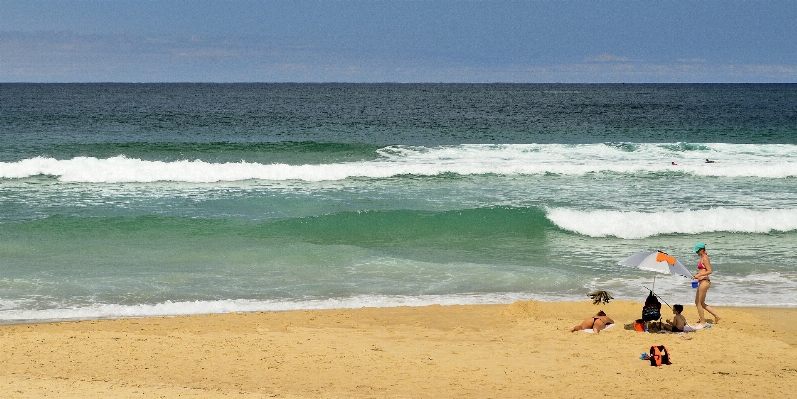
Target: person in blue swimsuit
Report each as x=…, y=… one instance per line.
x=704, y=283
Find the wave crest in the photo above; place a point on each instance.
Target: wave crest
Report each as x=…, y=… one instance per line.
x=636, y=225
x=766, y=161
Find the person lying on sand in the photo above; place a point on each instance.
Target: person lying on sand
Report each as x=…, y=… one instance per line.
x=596, y=323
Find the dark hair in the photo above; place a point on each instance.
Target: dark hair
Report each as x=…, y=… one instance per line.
x=678, y=308
x=601, y=313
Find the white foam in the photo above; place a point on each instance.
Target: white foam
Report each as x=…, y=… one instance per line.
x=635, y=225
x=168, y=308
x=763, y=290
x=733, y=160
x=753, y=290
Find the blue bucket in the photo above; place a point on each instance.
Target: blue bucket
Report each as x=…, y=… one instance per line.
x=694, y=284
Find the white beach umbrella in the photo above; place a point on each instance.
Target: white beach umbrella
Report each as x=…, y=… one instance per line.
x=656, y=261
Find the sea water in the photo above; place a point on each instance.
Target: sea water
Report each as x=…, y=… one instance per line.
x=124, y=200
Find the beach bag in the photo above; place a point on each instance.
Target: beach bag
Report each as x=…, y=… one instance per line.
x=652, y=309
x=639, y=325
x=659, y=355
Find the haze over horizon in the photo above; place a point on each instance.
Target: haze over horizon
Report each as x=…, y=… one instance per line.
x=576, y=41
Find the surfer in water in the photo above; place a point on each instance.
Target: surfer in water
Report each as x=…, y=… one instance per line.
x=709, y=161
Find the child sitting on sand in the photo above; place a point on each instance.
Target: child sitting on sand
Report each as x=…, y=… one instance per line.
x=679, y=323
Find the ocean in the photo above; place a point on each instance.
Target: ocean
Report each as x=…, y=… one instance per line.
x=132, y=200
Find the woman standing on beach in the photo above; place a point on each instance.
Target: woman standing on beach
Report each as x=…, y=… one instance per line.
x=704, y=283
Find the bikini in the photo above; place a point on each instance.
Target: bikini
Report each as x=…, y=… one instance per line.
x=701, y=267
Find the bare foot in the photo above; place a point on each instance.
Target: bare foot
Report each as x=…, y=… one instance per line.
x=717, y=319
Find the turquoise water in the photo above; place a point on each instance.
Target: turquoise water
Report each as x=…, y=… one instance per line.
x=135, y=200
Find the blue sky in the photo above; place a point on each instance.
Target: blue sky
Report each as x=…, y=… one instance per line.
x=398, y=41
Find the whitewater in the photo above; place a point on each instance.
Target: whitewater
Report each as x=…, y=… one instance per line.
x=728, y=160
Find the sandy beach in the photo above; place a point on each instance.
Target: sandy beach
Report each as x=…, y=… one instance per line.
x=500, y=351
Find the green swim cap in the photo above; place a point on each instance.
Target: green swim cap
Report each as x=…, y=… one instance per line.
x=699, y=246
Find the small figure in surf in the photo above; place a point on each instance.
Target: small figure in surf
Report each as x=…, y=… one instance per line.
x=674, y=164
x=710, y=161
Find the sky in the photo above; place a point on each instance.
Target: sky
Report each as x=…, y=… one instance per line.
x=532, y=41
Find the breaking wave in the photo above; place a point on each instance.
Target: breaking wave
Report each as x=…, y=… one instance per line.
x=636, y=225
x=731, y=160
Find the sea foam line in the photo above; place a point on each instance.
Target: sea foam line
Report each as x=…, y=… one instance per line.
x=766, y=290
x=751, y=290
x=773, y=161
x=187, y=308
x=636, y=225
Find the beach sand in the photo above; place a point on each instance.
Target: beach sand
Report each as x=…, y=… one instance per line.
x=484, y=351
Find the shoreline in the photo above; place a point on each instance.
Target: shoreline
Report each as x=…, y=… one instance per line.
x=421, y=304
x=515, y=350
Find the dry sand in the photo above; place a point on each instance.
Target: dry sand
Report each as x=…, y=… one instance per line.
x=489, y=351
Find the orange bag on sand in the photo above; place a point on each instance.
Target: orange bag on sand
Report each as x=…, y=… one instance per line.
x=659, y=355
x=639, y=325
